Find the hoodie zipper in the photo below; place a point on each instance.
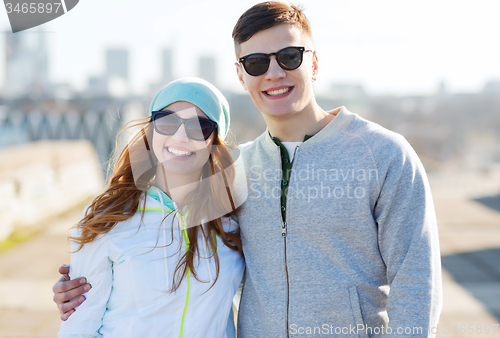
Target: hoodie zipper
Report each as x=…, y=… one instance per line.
x=283, y=234
x=186, y=304
x=186, y=243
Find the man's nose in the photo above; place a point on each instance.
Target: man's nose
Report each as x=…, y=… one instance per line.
x=274, y=71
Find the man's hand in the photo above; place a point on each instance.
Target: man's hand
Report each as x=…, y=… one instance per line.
x=68, y=293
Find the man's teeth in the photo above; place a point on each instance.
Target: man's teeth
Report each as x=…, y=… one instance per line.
x=178, y=152
x=278, y=92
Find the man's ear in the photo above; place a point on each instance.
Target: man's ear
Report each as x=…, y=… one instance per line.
x=239, y=72
x=315, y=64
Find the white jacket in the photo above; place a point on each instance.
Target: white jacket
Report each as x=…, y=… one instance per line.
x=130, y=270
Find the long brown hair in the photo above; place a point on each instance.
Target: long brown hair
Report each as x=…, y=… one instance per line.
x=121, y=199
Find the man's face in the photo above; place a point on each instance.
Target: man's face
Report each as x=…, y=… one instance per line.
x=279, y=93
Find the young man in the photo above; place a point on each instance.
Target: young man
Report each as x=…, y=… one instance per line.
x=338, y=231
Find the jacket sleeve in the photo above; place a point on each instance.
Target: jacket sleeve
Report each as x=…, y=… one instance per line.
x=92, y=262
x=408, y=242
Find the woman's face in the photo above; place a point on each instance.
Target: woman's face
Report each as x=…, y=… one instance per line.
x=179, y=154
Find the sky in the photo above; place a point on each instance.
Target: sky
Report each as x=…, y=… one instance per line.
x=388, y=46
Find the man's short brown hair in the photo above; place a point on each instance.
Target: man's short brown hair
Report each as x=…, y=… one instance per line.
x=266, y=15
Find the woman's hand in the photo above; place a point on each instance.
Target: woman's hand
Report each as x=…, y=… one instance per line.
x=68, y=293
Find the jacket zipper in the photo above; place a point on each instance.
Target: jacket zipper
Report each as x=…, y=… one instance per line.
x=186, y=243
x=186, y=304
x=283, y=233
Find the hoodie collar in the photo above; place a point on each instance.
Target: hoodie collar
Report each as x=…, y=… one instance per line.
x=154, y=192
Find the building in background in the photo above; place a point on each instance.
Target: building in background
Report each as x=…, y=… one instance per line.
x=97, y=86
x=207, y=69
x=117, y=63
x=26, y=65
x=115, y=80
x=166, y=71
x=166, y=66
x=117, y=72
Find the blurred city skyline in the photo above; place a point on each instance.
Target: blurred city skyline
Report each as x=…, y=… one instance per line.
x=389, y=47
x=428, y=71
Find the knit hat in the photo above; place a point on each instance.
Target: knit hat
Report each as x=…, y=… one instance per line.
x=199, y=92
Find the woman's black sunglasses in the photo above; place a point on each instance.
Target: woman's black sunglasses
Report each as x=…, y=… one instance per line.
x=288, y=58
x=198, y=128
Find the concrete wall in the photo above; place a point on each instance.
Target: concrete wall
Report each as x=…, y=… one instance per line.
x=42, y=179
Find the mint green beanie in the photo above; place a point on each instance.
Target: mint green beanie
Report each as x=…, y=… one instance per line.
x=199, y=92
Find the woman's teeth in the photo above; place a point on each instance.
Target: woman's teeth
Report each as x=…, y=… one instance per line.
x=278, y=92
x=178, y=152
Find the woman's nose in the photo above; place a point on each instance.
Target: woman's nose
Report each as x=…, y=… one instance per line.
x=180, y=135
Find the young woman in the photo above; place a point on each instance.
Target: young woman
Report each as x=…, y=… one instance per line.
x=162, y=255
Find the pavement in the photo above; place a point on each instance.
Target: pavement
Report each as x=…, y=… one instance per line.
x=469, y=229
x=469, y=234
x=27, y=273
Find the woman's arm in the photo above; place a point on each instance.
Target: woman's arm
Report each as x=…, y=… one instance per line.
x=93, y=262
x=68, y=292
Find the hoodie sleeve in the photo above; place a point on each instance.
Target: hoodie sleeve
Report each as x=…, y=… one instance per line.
x=92, y=262
x=408, y=242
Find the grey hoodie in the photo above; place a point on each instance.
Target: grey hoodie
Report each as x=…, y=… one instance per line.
x=359, y=253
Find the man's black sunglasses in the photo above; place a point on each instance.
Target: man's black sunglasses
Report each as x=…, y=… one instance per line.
x=198, y=128
x=288, y=58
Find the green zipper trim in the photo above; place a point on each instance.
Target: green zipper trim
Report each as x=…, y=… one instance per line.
x=151, y=208
x=186, y=242
x=186, y=304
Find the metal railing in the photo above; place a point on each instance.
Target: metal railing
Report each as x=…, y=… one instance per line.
x=99, y=127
